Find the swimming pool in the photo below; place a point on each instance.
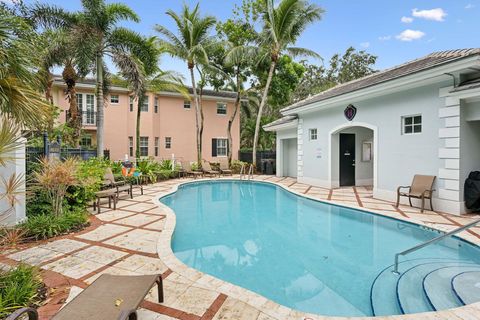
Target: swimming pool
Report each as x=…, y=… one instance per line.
x=309, y=255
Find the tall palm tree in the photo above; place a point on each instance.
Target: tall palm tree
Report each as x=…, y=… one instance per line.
x=97, y=35
x=190, y=46
x=283, y=24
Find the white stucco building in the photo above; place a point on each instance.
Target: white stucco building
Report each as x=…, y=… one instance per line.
x=422, y=117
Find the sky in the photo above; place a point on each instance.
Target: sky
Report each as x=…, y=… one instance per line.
x=394, y=30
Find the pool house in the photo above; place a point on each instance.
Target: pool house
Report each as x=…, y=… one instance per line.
x=421, y=117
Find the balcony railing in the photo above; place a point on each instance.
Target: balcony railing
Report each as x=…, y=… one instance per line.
x=88, y=117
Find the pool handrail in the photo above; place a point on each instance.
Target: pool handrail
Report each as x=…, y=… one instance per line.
x=431, y=241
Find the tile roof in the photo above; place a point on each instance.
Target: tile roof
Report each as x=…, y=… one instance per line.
x=206, y=92
x=432, y=60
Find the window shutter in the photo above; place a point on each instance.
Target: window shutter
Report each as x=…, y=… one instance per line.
x=228, y=146
x=214, y=147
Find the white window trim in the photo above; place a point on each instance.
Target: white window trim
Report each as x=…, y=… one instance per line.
x=226, y=109
x=144, y=146
x=170, y=142
x=402, y=128
x=310, y=134
x=118, y=98
x=226, y=153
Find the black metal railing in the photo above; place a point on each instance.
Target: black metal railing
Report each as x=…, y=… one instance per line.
x=88, y=117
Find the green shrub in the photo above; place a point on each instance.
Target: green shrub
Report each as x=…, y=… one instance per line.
x=19, y=288
x=37, y=204
x=236, y=166
x=46, y=226
x=195, y=166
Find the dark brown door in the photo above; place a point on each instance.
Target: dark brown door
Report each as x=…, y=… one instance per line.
x=347, y=159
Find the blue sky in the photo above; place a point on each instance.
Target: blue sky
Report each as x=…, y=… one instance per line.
x=394, y=30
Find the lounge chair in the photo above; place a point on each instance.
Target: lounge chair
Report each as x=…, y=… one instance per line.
x=108, y=297
x=207, y=169
x=120, y=186
x=224, y=169
x=421, y=188
x=187, y=167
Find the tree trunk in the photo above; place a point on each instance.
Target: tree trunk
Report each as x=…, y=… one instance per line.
x=49, y=98
x=260, y=111
x=141, y=98
x=236, y=106
x=198, y=117
x=100, y=102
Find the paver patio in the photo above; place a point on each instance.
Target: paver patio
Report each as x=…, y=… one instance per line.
x=124, y=242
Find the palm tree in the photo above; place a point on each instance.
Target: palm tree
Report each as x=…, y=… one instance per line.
x=190, y=46
x=21, y=104
x=282, y=26
x=96, y=36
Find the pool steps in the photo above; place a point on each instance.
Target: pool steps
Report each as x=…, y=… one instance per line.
x=424, y=285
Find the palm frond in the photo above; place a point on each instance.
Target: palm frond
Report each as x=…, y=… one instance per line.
x=119, y=11
x=302, y=52
x=9, y=140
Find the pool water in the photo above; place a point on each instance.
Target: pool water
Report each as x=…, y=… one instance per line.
x=304, y=254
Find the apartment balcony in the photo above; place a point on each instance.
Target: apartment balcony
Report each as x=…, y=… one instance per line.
x=88, y=118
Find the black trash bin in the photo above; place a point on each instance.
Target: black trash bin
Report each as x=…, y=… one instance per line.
x=270, y=166
x=472, y=191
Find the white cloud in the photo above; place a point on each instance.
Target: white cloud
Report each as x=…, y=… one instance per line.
x=410, y=35
x=469, y=6
x=406, y=19
x=384, y=38
x=437, y=14
x=365, y=44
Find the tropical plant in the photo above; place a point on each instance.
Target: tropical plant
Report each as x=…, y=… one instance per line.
x=45, y=226
x=96, y=36
x=21, y=104
x=190, y=46
x=54, y=178
x=283, y=24
x=19, y=287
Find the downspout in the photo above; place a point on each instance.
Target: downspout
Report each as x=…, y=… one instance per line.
x=454, y=79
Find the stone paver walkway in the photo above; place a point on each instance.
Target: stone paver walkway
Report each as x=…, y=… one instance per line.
x=124, y=242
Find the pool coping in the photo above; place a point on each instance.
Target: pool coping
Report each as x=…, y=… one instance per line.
x=263, y=304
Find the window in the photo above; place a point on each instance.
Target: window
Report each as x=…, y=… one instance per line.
x=156, y=105
x=130, y=146
x=186, y=104
x=313, y=134
x=157, y=141
x=219, y=147
x=412, y=124
x=168, y=142
x=114, y=99
x=143, y=146
x=131, y=103
x=144, y=106
x=86, y=141
x=221, y=108
x=80, y=101
x=89, y=117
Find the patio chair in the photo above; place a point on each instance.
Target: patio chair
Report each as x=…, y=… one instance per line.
x=120, y=186
x=108, y=297
x=187, y=167
x=421, y=188
x=207, y=169
x=224, y=169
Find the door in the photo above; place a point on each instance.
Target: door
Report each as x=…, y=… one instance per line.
x=347, y=159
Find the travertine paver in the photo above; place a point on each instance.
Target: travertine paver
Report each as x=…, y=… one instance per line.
x=234, y=309
x=138, y=240
x=100, y=255
x=139, y=207
x=156, y=225
x=138, y=220
x=103, y=232
x=35, y=256
x=64, y=245
x=142, y=264
x=197, y=300
x=114, y=215
x=73, y=267
x=113, y=271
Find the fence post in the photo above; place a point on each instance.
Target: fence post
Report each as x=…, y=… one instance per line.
x=45, y=144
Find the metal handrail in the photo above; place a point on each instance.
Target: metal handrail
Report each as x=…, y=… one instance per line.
x=242, y=171
x=429, y=242
x=250, y=172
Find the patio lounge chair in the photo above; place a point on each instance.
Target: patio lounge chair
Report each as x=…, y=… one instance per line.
x=207, y=169
x=120, y=186
x=421, y=188
x=187, y=167
x=224, y=169
x=108, y=297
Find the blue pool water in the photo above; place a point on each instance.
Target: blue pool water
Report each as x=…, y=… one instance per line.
x=304, y=254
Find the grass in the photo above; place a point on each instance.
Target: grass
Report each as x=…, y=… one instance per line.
x=46, y=226
x=19, y=288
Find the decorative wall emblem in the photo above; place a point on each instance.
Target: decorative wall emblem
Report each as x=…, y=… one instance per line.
x=350, y=112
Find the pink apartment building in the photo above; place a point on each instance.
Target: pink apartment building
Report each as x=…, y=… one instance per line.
x=167, y=122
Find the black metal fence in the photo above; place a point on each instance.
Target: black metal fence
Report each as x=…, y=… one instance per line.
x=34, y=154
x=265, y=160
